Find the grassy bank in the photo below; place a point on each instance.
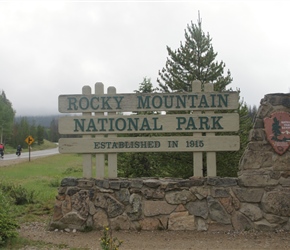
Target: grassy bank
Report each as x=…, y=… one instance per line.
x=38, y=182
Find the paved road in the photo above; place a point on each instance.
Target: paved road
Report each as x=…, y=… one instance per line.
x=40, y=153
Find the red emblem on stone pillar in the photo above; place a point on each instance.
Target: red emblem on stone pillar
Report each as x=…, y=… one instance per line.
x=277, y=129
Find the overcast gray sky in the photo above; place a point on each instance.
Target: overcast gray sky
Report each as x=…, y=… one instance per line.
x=56, y=47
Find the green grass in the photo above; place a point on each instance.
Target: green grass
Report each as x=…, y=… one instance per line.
x=42, y=176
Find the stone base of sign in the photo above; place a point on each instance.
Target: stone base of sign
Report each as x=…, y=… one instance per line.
x=260, y=165
x=258, y=199
x=208, y=203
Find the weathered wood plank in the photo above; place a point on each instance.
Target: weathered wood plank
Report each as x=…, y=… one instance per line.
x=100, y=158
x=112, y=158
x=149, y=144
x=87, y=158
x=148, y=102
x=117, y=124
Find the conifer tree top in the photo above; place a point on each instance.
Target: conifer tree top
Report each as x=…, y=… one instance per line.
x=195, y=59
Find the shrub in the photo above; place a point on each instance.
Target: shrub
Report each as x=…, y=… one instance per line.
x=19, y=194
x=71, y=170
x=55, y=182
x=108, y=242
x=8, y=225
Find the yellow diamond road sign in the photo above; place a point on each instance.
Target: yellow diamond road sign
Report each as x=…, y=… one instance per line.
x=29, y=140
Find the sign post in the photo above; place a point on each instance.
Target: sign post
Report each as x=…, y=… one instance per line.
x=29, y=140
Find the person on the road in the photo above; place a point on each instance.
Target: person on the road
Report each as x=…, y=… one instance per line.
x=2, y=150
x=18, y=150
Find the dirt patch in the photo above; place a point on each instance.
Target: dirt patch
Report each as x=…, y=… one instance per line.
x=169, y=240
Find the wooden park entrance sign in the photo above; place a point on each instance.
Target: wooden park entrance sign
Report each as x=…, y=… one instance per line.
x=100, y=125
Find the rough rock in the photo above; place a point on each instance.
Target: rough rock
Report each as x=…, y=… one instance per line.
x=100, y=219
x=181, y=221
x=177, y=197
x=253, y=212
x=217, y=212
x=198, y=208
x=249, y=194
x=153, y=208
x=277, y=202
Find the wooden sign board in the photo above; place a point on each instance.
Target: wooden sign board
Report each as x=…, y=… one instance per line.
x=148, y=102
x=149, y=144
x=116, y=124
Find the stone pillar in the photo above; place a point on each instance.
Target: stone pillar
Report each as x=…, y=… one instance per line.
x=260, y=165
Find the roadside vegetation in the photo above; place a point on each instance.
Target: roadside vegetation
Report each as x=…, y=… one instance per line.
x=27, y=193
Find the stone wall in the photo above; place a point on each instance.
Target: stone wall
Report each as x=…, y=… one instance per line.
x=208, y=203
x=258, y=199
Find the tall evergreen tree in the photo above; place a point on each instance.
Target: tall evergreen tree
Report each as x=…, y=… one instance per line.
x=40, y=135
x=54, y=135
x=21, y=130
x=194, y=60
x=6, y=118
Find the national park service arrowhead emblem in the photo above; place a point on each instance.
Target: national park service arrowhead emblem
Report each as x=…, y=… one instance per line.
x=277, y=128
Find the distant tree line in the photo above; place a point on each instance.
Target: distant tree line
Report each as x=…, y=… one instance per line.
x=48, y=124
x=43, y=120
x=14, y=130
x=23, y=128
x=252, y=111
